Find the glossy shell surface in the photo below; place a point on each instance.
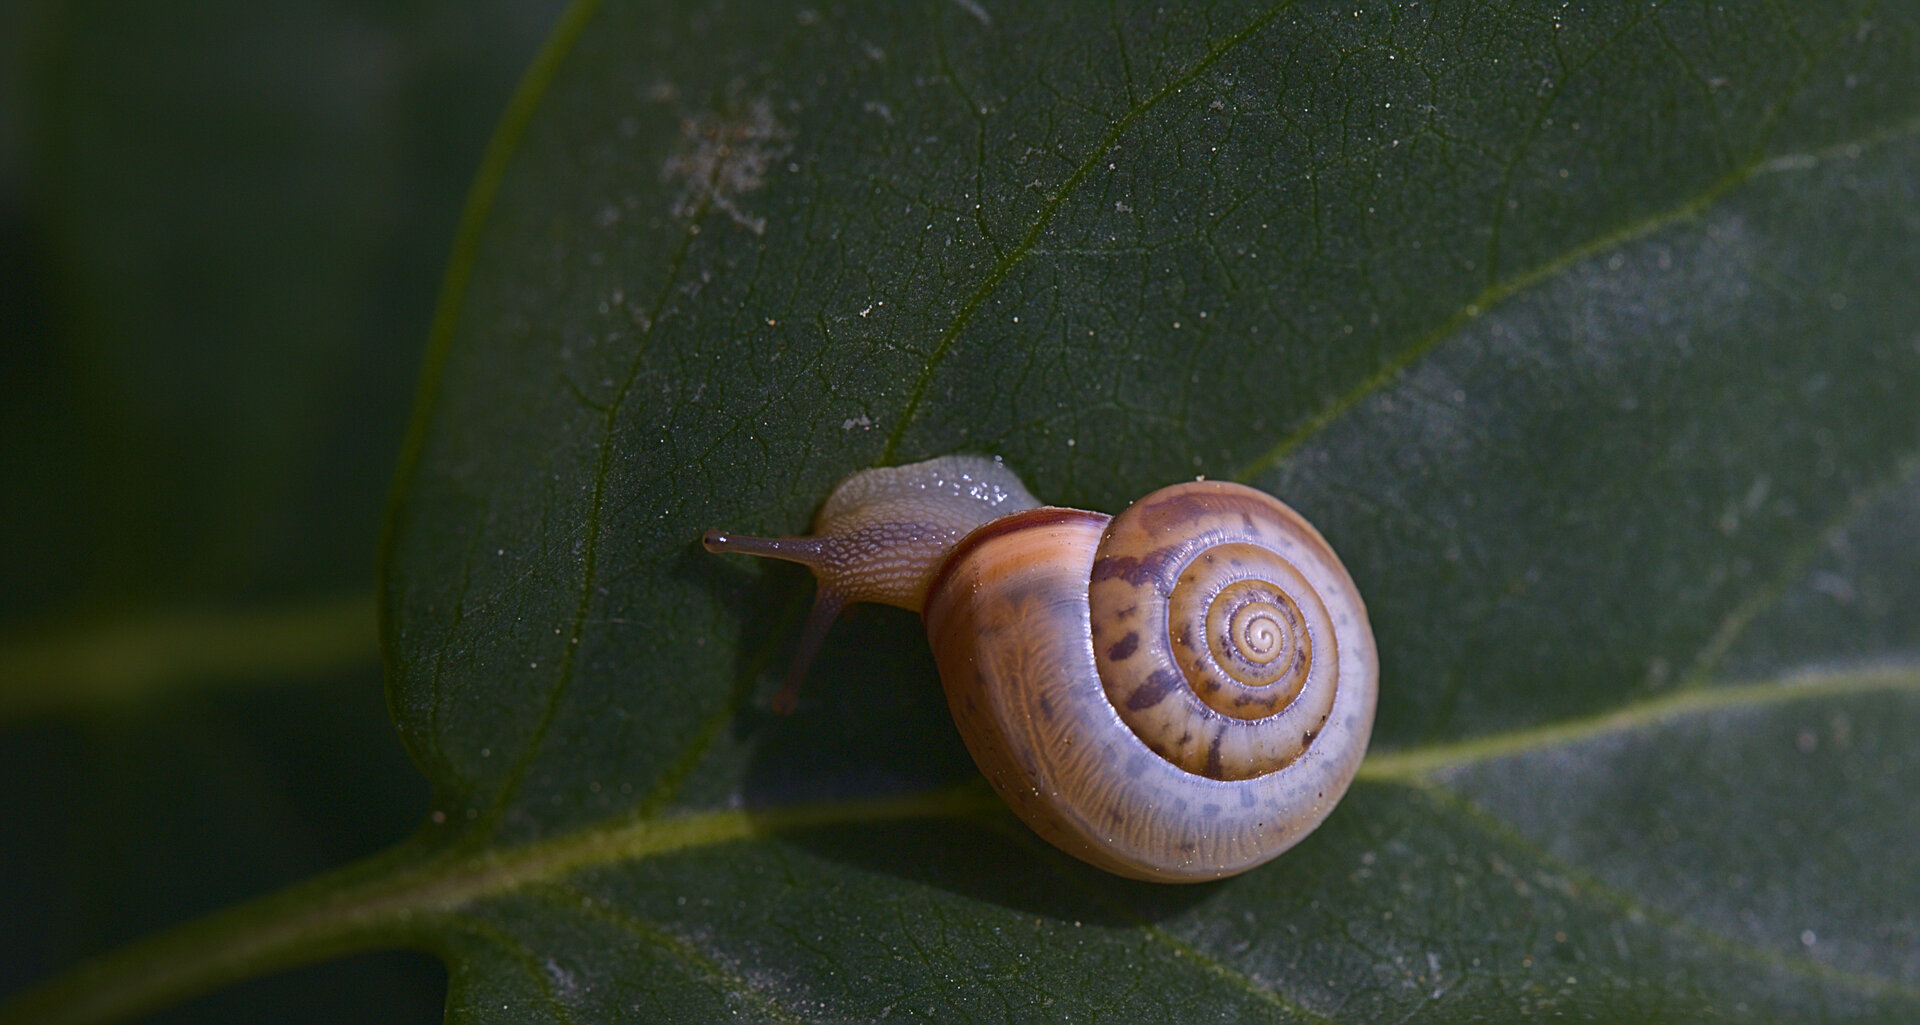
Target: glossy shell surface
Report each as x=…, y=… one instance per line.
x=1195, y=775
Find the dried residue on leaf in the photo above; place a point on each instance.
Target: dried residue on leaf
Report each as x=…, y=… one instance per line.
x=723, y=158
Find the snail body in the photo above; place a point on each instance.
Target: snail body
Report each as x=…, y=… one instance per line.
x=1178, y=693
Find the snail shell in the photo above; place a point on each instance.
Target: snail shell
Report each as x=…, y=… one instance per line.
x=1177, y=693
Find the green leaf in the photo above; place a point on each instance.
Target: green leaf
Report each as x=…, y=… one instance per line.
x=1586, y=338
x=221, y=225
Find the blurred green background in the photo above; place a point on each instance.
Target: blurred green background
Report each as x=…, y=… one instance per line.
x=222, y=226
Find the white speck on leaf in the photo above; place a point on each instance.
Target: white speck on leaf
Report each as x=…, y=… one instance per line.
x=973, y=7
x=563, y=980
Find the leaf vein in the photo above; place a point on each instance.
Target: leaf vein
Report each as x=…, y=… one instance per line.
x=1734, y=625
x=1007, y=261
x=520, y=954
x=1414, y=763
x=1396, y=364
x=659, y=938
x=1596, y=890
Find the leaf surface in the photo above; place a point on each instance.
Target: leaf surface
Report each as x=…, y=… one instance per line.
x=1587, y=338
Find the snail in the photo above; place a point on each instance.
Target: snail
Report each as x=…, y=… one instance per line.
x=1177, y=693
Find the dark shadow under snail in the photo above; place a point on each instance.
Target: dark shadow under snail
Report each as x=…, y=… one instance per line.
x=1177, y=693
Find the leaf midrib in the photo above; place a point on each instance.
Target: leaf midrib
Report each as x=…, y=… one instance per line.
x=398, y=897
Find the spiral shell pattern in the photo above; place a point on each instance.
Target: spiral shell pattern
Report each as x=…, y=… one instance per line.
x=1209, y=605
